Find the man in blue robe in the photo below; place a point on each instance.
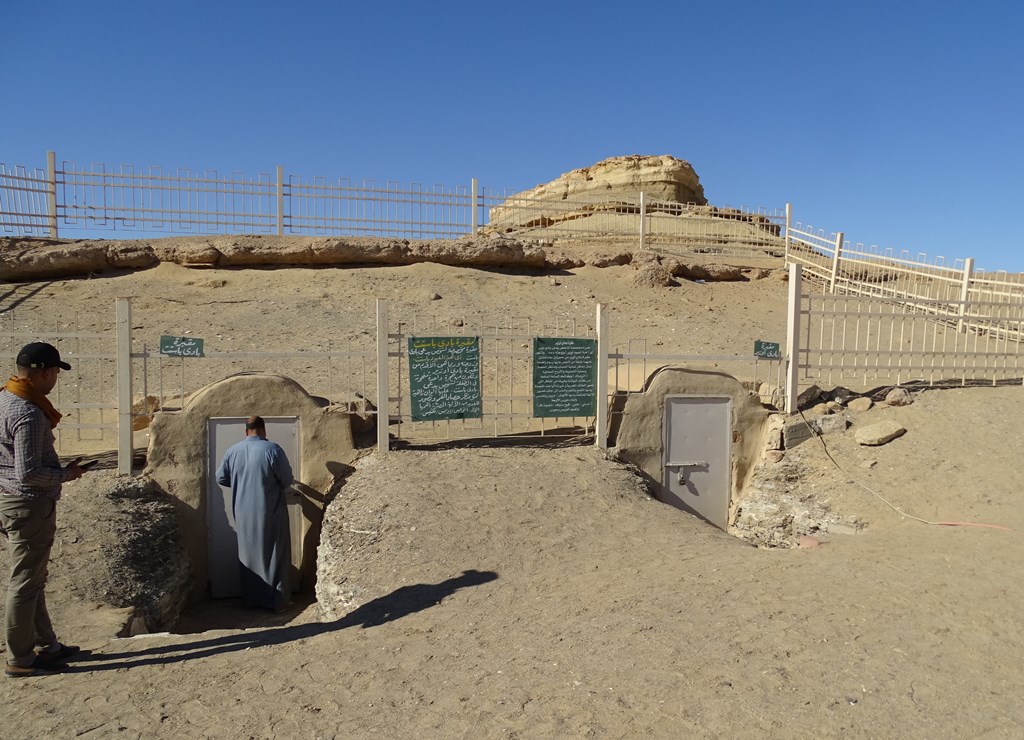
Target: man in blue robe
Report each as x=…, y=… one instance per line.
x=258, y=473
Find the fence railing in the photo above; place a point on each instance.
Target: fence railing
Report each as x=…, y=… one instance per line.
x=117, y=382
x=68, y=199
x=862, y=341
x=985, y=303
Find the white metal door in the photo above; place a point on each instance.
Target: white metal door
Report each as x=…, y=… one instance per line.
x=698, y=464
x=221, y=536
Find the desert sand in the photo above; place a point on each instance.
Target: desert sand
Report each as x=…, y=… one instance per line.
x=539, y=591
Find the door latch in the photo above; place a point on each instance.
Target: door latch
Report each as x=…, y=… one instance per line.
x=681, y=475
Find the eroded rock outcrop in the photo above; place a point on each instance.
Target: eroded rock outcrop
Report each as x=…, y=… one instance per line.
x=586, y=191
x=34, y=259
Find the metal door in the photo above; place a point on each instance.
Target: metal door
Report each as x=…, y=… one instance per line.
x=221, y=537
x=698, y=464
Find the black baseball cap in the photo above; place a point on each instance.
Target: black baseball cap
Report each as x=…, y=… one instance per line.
x=41, y=354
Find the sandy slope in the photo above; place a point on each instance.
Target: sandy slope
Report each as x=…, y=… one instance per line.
x=531, y=592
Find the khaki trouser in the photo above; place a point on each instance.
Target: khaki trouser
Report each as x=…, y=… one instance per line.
x=29, y=524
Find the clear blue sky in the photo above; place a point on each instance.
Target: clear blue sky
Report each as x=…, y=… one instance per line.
x=899, y=123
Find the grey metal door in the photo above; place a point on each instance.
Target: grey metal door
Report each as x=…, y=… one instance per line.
x=698, y=464
x=221, y=534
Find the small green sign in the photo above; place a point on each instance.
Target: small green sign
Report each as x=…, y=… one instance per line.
x=768, y=350
x=181, y=346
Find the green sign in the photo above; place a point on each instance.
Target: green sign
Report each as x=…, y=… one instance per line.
x=768, y=350
x=444, y=378
x=181, y=346
x=564, y=377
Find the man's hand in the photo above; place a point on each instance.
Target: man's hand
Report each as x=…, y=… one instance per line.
x=75, y=469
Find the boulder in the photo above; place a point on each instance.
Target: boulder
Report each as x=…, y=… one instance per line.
x=860, y=405
x=880, y=433
x=899, y=397
x=653, y=276
x=712, y=272
x=809, y=396
x=830, y=424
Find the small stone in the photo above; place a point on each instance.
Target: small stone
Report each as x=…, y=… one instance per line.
x=435, y=296
x=860, y=405
x=899, y=397
x=775, y=456
x=830, y=424
x=821, y=409
x=809, y=396
x=869, y=464
x=880, y=433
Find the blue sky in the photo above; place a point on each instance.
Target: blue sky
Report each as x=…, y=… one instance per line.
x=899, y=123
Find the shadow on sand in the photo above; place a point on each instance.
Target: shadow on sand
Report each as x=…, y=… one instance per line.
x=399, y=603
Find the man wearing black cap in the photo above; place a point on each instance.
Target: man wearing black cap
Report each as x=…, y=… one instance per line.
x=30, y=481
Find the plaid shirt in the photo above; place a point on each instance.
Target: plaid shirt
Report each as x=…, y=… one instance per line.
x=29, y=466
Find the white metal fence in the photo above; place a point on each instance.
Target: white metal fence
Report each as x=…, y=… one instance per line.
x=118, y=382
x=863, y=341
x=986, y=303
x=65, y=198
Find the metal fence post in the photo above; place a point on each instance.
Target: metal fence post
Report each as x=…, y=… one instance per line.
x=965, y=293
x=793, y=337
x=125, y=444
x=643, y=218
x=789, y=221
x=474, y=217
x=601, y=423
x=383, y=387
x=51, y=192
x=836, y=256
x=280, y=200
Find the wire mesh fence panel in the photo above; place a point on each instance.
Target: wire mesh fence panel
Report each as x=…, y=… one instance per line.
x=24, y=208
x=150, y=199
x=862, y=341
x=86, y=394
x=341, y=207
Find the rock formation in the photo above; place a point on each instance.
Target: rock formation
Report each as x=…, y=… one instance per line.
x=612, y=184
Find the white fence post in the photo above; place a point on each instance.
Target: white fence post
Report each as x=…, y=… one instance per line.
x=836, y=256
x=643, y=219
x=965, y=293
x=125, y=444
x=601, y=425
x=51, y=192
x=280, y=200
x=474, y=217
x=789, y=221
x=793, y=338
x=383, y=391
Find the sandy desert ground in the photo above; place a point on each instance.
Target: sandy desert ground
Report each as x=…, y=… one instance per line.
x=535, y=591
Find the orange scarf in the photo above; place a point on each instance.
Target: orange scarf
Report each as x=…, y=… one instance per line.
x=23, y=388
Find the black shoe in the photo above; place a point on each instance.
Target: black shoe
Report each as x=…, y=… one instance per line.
x=59, y=655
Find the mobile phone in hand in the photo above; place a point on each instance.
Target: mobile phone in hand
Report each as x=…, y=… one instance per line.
x=87, y=464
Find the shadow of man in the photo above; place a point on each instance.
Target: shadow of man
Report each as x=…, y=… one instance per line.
x=395, y=605
x=409, y=599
